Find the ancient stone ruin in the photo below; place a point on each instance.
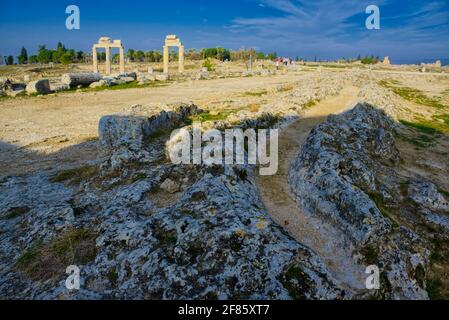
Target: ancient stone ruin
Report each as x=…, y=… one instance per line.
x=106, y=43
x=173, y=41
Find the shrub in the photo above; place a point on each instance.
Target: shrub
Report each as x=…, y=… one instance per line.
x=209, y=64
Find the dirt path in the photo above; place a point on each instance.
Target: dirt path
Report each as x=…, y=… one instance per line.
x=278, y=199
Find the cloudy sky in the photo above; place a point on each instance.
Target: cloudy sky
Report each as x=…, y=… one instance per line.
x=411, y=31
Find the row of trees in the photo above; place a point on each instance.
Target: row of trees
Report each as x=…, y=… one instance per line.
x=220, y=54
x=60, y=55
x=141, y=56
x=65, y=56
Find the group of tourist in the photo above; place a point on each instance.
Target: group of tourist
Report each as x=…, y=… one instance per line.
x=284, y=61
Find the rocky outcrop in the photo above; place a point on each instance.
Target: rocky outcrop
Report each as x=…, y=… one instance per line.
x=346, y=174
x=382, y=98
x=127, y=137
x=211, y=240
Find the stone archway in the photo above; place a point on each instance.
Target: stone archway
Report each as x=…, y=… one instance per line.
x=173, y=41
x=106, y=43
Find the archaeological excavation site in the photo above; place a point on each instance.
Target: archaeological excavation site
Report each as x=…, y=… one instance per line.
x=224, y=161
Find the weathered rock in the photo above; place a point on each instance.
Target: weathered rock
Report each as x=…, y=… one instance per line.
x=127, y=79
x=39, y=87
x=162, y=77
x=214, y=241
x=202, y=75
x=170, y=186
x=4, y=82
x=124, y=137
x=15, y=93
x=101, y=83
x=125, y=75
x=96, y=84
x=344, y=174
x=60, y=87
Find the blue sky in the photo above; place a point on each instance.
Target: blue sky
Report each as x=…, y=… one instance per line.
x=411, y=30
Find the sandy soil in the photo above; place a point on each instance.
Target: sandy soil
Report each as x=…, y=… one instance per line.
x=53, y=131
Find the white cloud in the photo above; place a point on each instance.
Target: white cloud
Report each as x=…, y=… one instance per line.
x=337, y=28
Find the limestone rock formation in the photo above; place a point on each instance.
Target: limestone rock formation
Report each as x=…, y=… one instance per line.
x=170, y=186
x=125, y=137
x=213, y=240
x=346, y=174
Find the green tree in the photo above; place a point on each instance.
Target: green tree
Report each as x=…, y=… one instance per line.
x=173, y=55
x=59, y=53
x=9, y=60
x=261, y=56
x=148, y=56
x=116, y=57
x=130, y=54
x=60, y=47
x=44, y=55
x=223, y=54
x=102, y=56
x=80, y=56
x=158, y=57
x=33, y=59
x=139, y=55
x=67, y=57
x=272, y=56
x=23, y=57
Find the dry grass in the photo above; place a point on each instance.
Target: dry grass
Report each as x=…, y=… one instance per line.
x=49, y=261
x=254, y=107
x=75, y=176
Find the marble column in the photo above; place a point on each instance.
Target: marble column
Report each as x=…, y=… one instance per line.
x=181, y=59
x=95, y=59
x=108, y=60
x=166, y=59
x=122, y=60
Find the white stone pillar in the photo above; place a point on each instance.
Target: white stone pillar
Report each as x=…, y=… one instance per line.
x=95, y=59
x=108, y=60
x=166, y=59
x=181, y=59
x=122, y=60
